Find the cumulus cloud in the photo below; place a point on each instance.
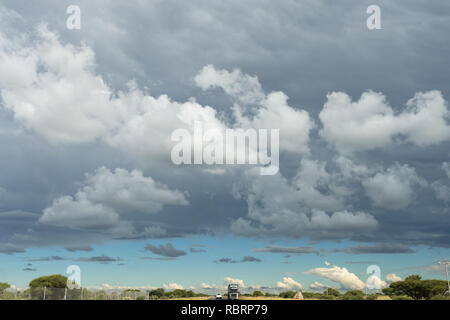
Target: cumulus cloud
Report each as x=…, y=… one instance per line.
x=317, y=286
x=107, y=201
x=394, y=188
x=442, y=191
x=446, y=168
x=172, y=286
x=371, y=123
x=208, y=286
x=229, y=280
x=167, y=250
x=275, y=207
x=289, y=284
x=243, y=87
x=342, y=276
x=269, y=112
x=53, y=90
x=392, y=277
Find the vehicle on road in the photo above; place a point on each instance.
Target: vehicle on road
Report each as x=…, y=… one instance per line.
x=218, y=296
x=233, y=291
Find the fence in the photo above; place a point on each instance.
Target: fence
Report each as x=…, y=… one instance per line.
x=46, y=293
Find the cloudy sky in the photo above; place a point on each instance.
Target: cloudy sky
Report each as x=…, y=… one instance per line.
x=86, y=118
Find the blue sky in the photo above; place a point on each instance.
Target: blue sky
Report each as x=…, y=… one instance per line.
x=203, y=267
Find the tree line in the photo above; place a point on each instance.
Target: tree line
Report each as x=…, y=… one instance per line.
x=54, y=287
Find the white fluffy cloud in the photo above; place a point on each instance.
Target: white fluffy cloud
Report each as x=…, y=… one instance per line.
x=446, y=168
x=269, y=111
x=229, y=280
x=108, y=200
x=392, y=277
x=371, y=123
x=172, y=286
x=289, y=284
x=242, y=87
x=394, y=188
x=345, y=278
x=53, y=90
x=441, y=191
x=317, y=286
x=280, y=207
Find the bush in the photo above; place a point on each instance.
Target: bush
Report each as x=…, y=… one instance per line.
x=6, y=295
x=54, y=284
x=332, y=292
x=257, y=293
x=441, y=297
x=287, y=294
x=401, y=298
x=353, y=295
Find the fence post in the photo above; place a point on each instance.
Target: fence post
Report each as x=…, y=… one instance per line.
x=65, y=293
x=45, y=289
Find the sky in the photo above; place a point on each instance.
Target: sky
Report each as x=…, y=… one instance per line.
x=87, y=117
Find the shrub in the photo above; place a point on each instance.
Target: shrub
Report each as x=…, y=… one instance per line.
x=401, y=298
x=441, y=297
x=287, y=294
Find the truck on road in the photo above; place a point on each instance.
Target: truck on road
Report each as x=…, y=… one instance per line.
x=233, y=293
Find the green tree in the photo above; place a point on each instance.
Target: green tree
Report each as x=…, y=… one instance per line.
x=332, y=292
x=4, y=286
x=287, y=294
x=413, y=277
x=414, y=287
x=156, y=293
x=354, y=295
x=258, y=293
x=54, y=287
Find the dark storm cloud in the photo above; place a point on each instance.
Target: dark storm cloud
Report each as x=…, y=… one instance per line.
x=52, y=258
x=79, y=248
x=29, y=269
x=250, y=259
x=304, y=48
x=167, y=250
x=360, y=262
x=244, y=259
x=101, y=259
x=293, y=250
x=158, y=259
x=194, y=250
x=377, y=248
x=10, y=248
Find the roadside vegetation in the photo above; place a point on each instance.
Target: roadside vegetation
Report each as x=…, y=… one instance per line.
x=54, y=287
